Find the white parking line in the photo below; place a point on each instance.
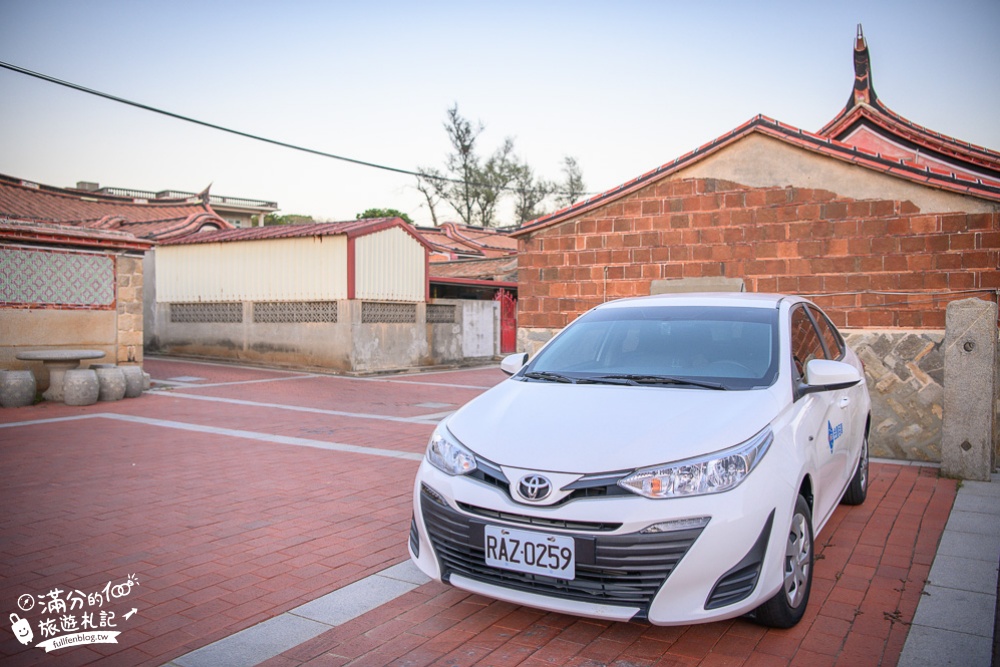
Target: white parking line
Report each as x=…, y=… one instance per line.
x=233, y=433
x=420, y=419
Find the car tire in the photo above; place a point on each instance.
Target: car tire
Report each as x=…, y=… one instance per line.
x=788, y=605
x=857, y=490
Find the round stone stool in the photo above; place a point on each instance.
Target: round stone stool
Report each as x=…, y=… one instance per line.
x=17, y=388
x=133, y=381
x=112, y=383
x=80, y=387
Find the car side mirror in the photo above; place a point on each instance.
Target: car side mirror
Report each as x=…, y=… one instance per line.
x=827, y=375
x=512, y=363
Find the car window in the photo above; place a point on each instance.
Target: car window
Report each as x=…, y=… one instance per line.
x=806, y=344
x=711, y=343
x=834, y=344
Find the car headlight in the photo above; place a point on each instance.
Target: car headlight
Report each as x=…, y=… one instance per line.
x=447, y=455
x=714, y=473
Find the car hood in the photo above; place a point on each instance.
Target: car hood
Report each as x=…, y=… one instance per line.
x=556, y=427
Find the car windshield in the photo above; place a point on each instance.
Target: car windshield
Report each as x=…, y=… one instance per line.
x=711, y=346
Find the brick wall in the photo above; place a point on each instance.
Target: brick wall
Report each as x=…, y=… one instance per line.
x=792, y=240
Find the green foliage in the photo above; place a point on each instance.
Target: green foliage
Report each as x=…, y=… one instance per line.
x=383, y=213
x=290, y=219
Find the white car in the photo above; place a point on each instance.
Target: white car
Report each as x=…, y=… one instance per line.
x=667, y=458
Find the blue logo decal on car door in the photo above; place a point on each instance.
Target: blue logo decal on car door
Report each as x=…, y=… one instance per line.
x=834, y=433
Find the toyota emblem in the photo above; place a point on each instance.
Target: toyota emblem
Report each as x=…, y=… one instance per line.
x=534, y=487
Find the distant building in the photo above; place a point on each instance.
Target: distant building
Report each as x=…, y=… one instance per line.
x=238, y=211
x=351, y=296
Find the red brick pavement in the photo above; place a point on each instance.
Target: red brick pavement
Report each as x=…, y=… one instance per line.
x=223, y=532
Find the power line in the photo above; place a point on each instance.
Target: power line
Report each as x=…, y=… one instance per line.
x=239, y=133
x=221, y=128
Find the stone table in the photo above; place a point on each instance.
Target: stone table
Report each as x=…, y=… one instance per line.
x=58, y=362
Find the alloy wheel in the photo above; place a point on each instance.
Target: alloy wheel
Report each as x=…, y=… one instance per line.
x=798, y=560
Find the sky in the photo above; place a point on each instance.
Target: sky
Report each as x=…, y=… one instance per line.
x=621, y=86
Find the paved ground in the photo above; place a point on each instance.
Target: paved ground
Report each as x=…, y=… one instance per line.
x=250, y=498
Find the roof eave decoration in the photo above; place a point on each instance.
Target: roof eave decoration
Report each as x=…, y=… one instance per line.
x=864, y=91
x=190, y=225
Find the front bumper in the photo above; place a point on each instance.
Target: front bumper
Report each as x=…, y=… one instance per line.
x=722, y=570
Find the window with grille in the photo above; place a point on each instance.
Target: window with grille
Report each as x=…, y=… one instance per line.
x=287, y=312
x=378, y=312
x=221, y=312
x=440, y=314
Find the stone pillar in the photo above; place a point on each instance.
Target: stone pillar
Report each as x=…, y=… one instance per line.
x=970, y=377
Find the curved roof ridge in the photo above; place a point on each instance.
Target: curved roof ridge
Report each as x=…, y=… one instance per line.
x=864, y=105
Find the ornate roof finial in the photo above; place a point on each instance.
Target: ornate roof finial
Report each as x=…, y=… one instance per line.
x=864, y=92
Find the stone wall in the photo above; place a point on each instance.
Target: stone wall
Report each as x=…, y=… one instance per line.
x=129, y=309
x=905, y=372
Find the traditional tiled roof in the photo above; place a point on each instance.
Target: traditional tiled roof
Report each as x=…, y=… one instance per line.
x=155, y=219
x=26, y=231
x=867, y=123
x=351, y=229
x=954, y=167
x=444, y=247
x=454, y=241
x=501, y=269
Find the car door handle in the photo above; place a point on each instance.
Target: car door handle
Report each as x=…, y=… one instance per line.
x=844, y=402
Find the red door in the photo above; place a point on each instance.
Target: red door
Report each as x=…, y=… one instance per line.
x=508, y=322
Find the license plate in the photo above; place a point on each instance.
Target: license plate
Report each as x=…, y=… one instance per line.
x=530, y=552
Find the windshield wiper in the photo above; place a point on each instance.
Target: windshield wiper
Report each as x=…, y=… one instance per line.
x=660, y=379
x=550, y=377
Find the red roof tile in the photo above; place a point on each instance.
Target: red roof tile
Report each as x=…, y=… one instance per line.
x=455, y=241
x=502, y=269
x=351, y=229
x=27, y=231
x=24, y=200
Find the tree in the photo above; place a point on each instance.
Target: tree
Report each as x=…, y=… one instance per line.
x=470, y=185
x=572, y=187
x=529, y=193
x=475, y=186
x=290, y=219
x=383, y=213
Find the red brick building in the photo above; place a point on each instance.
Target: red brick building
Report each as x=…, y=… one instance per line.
x=882, y=221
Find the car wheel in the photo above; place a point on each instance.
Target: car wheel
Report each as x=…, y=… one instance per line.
x=788, y=605
x=857, y=491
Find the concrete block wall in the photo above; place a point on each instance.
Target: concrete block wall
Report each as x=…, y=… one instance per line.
x=347, y=344
x=793, y=240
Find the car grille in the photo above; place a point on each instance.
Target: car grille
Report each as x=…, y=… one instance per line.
x=625, y=570
x=588, y=486
x=540, y=522
x=414, y=537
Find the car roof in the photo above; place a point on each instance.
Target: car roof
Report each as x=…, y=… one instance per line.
x=722, y=299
